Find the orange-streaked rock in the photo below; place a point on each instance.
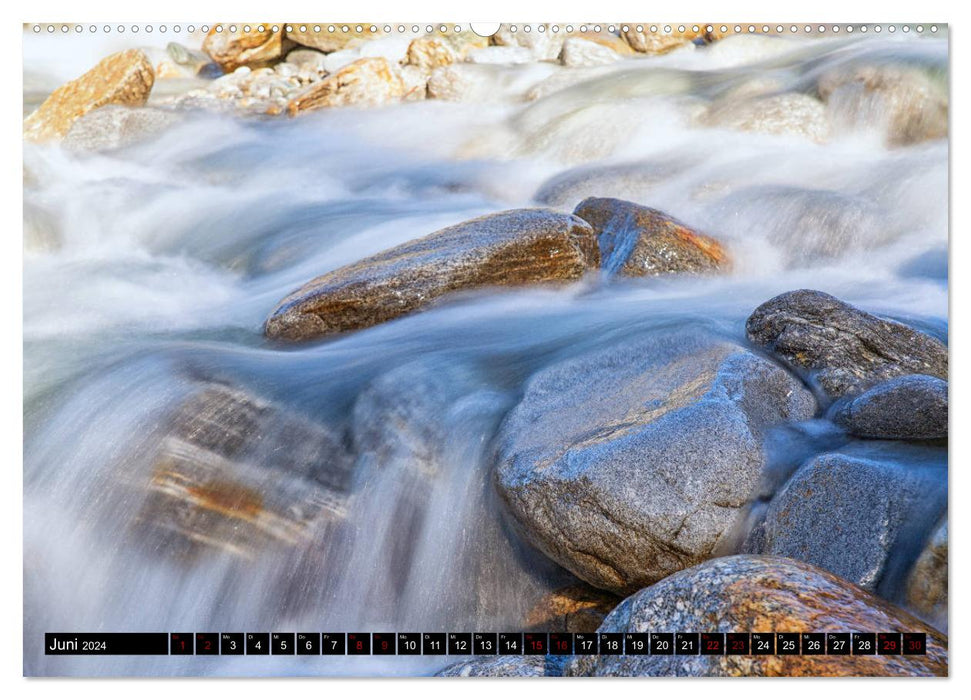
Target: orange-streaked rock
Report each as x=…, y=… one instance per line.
x=577, y=608
x=365, y=82
x=241, y=48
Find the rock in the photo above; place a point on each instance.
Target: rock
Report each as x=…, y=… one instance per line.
x=907, y=103
x=843, y=514
x=656, y=43
x=633, y=181
x=463, y=83
x=428, y=53
x=926, y=587
x=628, y=463
x=502, y=55
x=114, y=126
x=583, y=52
x=192, y=61
x=638, y=241
x=244, y=48
x=511, y=248
x=307, y=58
x=912, y=407
x=123, y=78
x=365, y=82
x=845, y=349
x=578, y=608
x=504, y=667
x=790, y=113
x=760, y=594
x=542, y=45
x=238, y=473
x=465, y=41
x=329, y=41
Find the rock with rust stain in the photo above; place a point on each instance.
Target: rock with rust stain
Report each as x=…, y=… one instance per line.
x=240, y=474
x=366, y=82
x=761, y=594
x=510, y=248
x=429, y=52
x=845, y=349
x=124, y=78
x=577, y=608
x=925, y=590
x=628, y=463
x=637, y=241
x=251, y=48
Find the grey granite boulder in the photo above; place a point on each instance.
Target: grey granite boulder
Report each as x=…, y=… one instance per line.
x=628, y=463
x=510, y=248
x=847, y=350
x=843, y=514
x=760, y=594
x=913, y=407
x=505, y=667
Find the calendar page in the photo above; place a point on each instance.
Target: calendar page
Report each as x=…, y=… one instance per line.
x=613, y=348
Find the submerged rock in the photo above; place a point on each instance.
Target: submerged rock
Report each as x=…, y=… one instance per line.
x=847, y=350
x=760, y=594
x=251, y=48
x=114, y=126
x=926, y=586
x=637, y=241
x=364, y=82
x=511, y=248
x=239, y=474
x=913, y=407
x=842, y=514
x=123, y=78
x=629, y=463
x=504, y=667
x=789, y=113
x=631, y=181
x=909, y=104
x=578, y=608
x=504, y=55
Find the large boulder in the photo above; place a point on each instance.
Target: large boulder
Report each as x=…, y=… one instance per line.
x=123, y=78
x=251, y=48
x=925, y=590
x=847, y=350
x=364, y=82
x=913, y=407
x=844, y=514
x=629, y=463
x=637, y=241
x=511, y=248
x=761, y=594
x=237, y=473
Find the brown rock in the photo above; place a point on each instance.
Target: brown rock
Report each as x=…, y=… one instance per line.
x=365, y=82
x=926, y=586
x=659, y=42
x=578, y=608
x=330, y=41
x=637, y=241
x=761, y=594
x=428, y=53
x=241, y=48
x=517, y=247
x=124, y=78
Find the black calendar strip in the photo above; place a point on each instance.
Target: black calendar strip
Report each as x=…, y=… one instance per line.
x=486, y=643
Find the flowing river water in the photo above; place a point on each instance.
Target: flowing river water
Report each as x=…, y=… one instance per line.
x=149, y=272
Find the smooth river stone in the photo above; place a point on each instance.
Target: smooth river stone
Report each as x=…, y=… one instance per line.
x=913, y=407
x=845, y=349
x=637, y=241
x=760, y=594
x=511, y=248
x=629, y=463
x=124, y=78
x=251, y=48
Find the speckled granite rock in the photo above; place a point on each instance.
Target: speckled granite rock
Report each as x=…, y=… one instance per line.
x=629, y=463
x=123, y=78
x=505, y=667
x=760, y=594
x=926, y=585
x=516, y=247
x=842, y=514
x=637, y=241
x=912, y=407
x=847, y=350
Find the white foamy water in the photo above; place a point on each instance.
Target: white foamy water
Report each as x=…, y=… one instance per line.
x=150, y=270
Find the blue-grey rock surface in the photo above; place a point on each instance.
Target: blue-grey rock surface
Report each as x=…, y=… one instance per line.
x=913, y=407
